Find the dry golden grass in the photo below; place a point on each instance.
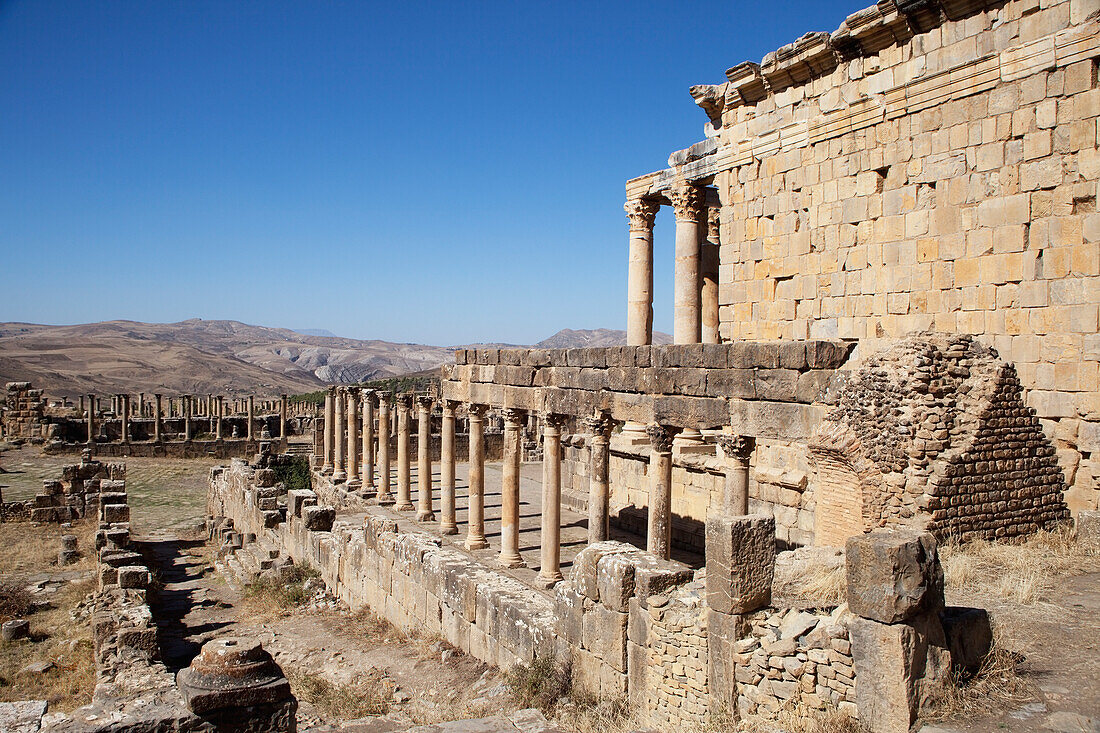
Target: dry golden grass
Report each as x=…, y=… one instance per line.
x=821, y=584
x=996, y=686
x=795, y=719
x=27, y=548
x=370, y=694
x=269, y=596
x=1021, y=573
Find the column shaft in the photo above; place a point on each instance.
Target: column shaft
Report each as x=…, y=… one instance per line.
x=509, y=489
x=339, y=470
x=475, y=530
x=367, y=472
x=404, y=473
x=550, y=564
x=156, y=418
x=354, y=481
x=425, y=511
x=659, y=530
x=447, y=524
x=385, y=496
x=599, y=489
x=282, y=417
x=686, y=297
x=330, y=399
x=251, y=415
x=91, y=418
x=708, y=292
x=737, y=450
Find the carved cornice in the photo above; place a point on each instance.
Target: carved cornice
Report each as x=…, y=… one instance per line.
x=552, y=419
x=686, y=202
x=660, y=437
x=736, y=447
x=641, y=213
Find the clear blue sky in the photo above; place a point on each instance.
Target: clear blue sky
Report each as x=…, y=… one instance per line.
x=413, y=171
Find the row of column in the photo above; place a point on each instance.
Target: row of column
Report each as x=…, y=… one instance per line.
x=343, y=405
x=187, y=406
x=695, y=294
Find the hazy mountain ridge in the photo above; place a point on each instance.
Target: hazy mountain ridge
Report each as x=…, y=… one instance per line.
x=221, y=357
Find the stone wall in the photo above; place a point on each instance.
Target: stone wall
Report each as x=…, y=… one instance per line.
x=23, y=413
x=926, y=166
x=75, y=495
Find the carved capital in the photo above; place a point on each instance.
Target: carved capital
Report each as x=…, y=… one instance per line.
x=353, y=392
x=513, y=415
x=641, y=214
x=369, y=396
x=552, y=420
x=425, y=403
x=686, y=202
x=714, y=221
x=449, y=406
x=476, y=412
x=404, y=400
x=598, y=425
x=736, y=447
x=660, y=437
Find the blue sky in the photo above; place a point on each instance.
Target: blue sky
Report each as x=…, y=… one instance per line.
x=417, y=171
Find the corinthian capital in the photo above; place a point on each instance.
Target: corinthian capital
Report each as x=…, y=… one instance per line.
x=660, y=437
x=641, y=214
x=736, y=447
x=686, y=202
x=599, y=424
x=713, y=224
x=425, y=402
x=513, y=415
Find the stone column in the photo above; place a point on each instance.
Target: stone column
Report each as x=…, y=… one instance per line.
x=550, y=563
x=330, y=399
x=251, y=416
x=659, y=530
x=366, y=474
x=156, y=418
x=141, y=404
x=124, y=403
x=186, y=409
x=91, y=418
x=737, y=450
x=639, y=284
x=219, y=413
x=599, y=489
x=282, y=417
x=475, y=530
x=447, y=524
x=424, y=511
x=385, y=496
x=509, y=489
x=708, y=292
x=354, y=482
x=686, y=202
x=404, y=473
x=339, y=471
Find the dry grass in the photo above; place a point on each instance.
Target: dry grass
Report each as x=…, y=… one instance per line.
x=822, y=584
x=548, y=686
x=586, y=713
x=997, y=686
x=54, y=638
x=27, y=548
x=370, y=694
x=15, y=600
x=279, y=595
x=795, y=719
x=1021, y=573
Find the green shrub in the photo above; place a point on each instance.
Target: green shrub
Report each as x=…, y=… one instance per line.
x=295, y=474
x=539, y=684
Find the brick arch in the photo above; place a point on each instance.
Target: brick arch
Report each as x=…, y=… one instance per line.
x=848, y=486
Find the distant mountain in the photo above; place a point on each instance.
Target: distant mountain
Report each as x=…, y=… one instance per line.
x=567, y=338
x=222, y=357
x=315, y=332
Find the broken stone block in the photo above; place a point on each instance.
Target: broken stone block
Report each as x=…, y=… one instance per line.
x=134, y=576
x=233, y=673
x=740, y=562
x=969, y=637
x=893, y=575
x=265, y=477
x=297, y=499
x=318, y=518
x=17, y=628
x=898, y=668
x=114, y=513
x=1088, y=528
x=615, y=580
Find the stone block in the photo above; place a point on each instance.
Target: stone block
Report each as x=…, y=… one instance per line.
x=689, y=412
x=969, y=637
x=615, y=580
x=828, y=354
x=1088, y=528
x=893, y=575
x=654, y=576
x=898, y=668
x=583, y=574
x=264, y=477
x=318, y=518
x=23, y=716
x=740, y=562
x=603, y=633
x=569, y=606
x=15, y=629
x=134, y=576
x=114, y=513
x=727, y=383
x=298, y=499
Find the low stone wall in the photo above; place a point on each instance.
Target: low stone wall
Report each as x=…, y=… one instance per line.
x=76, y=494
x=230, y=448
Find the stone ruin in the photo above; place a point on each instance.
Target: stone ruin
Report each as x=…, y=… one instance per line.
x=934, y=433
x=81, y=490
x=23, y=413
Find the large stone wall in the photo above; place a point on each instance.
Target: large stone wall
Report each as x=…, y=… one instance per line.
x=927, y=166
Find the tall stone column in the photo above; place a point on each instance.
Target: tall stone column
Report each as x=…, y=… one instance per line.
x=639, y=284
x=509, y=488
x=91, y=419
x=124, y=412
x=141, y=404
x=424, y=511
x=385, y=496
x=354, y=482
x=686, y=202
x=156, y=418
x=366, y=473
x=737, y=450
x=659, y=530
x=550, y=563
x=599, y=488
x=339, y=470
x=185, y=406
x=475, y=529
x=251, y=416
x=219, y=414
x=708, y=267
x=330, y=408
x=404, y=468
x=282, y=417
x=447, y=524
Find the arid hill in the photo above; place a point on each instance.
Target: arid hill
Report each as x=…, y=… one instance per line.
x=218, y=357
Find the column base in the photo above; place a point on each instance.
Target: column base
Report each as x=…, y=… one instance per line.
x=354, y=484
x=404, y=507
x=326, y=470
x=633, y=433
x=339, y=477
x=425, y=517
x=386, y=499
x=475, y=543
x=548, y=582
x=448, y=529
x=511, y=561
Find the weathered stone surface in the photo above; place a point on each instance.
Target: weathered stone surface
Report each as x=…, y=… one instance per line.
x=23, y=716
x=740, y=562
x=134, y=576
x=969, y=636
x=318, y=518
x=15, y=629
x=897, y=668
x=893, y=575
x=232, y=673
x=1088, y=527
